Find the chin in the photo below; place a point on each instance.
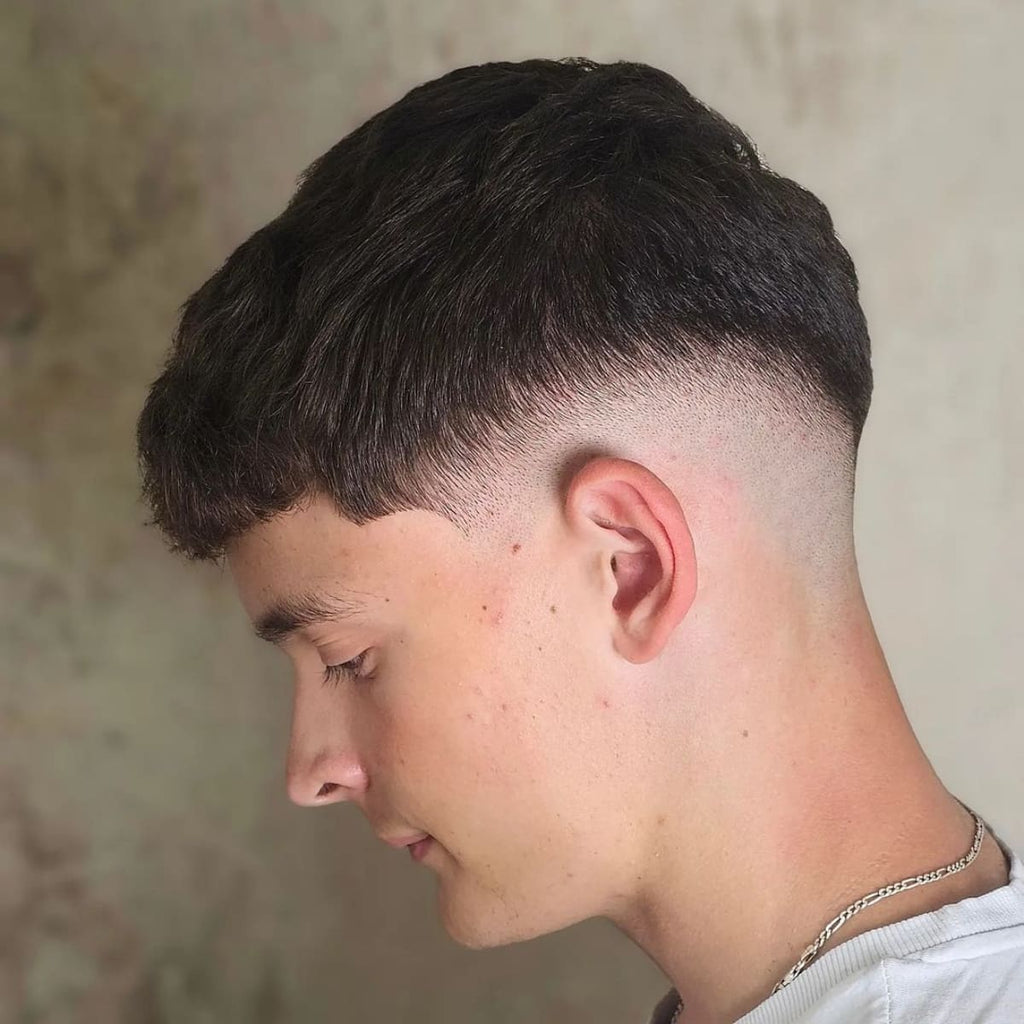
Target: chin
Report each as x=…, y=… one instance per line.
x=484, y=920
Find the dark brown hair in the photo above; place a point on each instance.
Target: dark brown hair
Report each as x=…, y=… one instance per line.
x=465, y=260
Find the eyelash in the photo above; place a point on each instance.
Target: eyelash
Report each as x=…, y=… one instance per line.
x=349, y=670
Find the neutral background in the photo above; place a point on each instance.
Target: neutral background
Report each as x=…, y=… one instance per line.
x=151, y=869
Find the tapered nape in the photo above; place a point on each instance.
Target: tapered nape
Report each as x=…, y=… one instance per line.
x=467, y=267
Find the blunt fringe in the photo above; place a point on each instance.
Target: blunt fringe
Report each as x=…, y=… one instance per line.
x=473, y=255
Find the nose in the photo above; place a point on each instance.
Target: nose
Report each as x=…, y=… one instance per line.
x=322, y=766
x=326, y=778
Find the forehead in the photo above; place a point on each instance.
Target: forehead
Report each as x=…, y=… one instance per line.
x=313, y=547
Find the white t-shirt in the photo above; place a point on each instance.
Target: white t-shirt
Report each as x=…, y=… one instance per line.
x=960, y=964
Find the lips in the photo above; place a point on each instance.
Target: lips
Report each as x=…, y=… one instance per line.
x=399, y=841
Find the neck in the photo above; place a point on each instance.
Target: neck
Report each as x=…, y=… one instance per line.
x=773, y=847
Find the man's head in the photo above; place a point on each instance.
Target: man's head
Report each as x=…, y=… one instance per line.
x=548, y=373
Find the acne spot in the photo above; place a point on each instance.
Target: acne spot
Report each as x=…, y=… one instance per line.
x=504, y=707
x=552, y=609
x=469, y=715
x=605, y=703
x=744, y=732
x=515, y=548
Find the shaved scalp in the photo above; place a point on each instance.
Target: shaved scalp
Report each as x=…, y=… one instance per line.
x=511, y=265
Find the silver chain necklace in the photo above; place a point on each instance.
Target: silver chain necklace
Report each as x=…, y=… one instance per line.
x=866, y=901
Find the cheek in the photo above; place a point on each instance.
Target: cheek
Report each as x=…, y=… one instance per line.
x=468, y=742
x=488, y=707
x=492, y=614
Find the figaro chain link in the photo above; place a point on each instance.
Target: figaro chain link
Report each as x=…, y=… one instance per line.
x=879, y=894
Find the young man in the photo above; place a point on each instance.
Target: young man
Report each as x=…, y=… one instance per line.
x=528, y=430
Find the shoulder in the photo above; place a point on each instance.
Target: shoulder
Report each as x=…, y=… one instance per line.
x=978, y=979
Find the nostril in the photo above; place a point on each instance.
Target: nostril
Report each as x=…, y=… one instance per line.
x=327, y=788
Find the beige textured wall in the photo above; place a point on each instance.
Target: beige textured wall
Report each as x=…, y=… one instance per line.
x=150, y=866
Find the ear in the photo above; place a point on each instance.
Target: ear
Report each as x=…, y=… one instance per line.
x=640, y=532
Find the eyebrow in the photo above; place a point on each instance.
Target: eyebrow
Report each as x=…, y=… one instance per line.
x=290, y=614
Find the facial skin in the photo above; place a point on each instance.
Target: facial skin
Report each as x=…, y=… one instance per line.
x=614, y=707
x=493, y=721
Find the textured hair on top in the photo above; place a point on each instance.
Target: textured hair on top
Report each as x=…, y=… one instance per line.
x=456, y=273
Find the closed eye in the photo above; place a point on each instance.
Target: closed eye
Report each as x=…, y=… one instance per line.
x=350, y=670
